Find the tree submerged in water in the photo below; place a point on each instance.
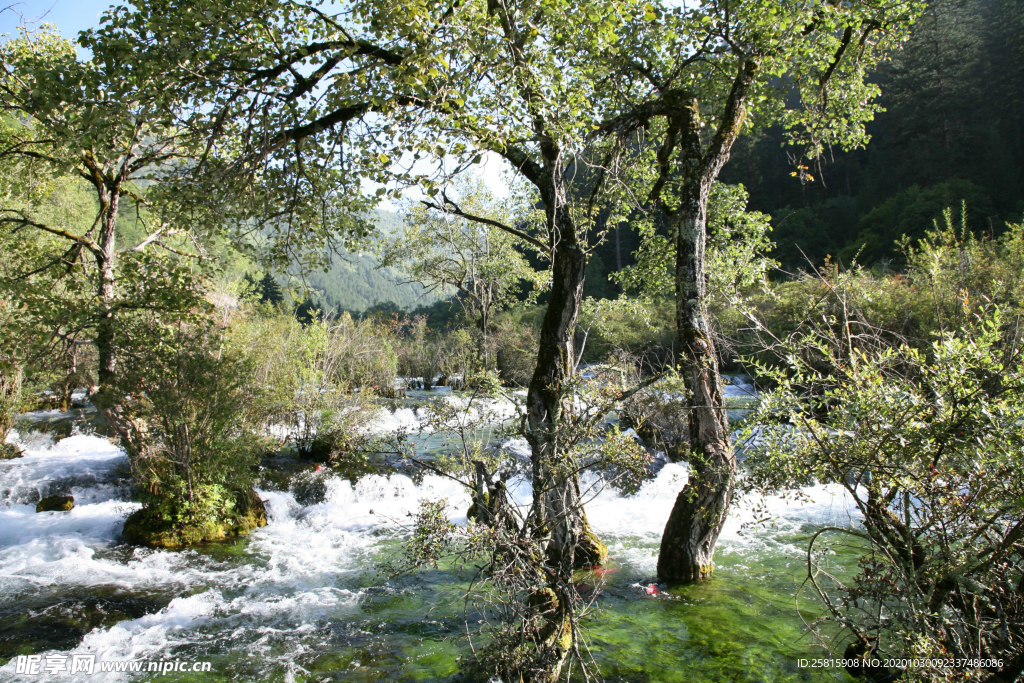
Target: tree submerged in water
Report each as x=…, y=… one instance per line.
x=525, y=608
x=688, y=81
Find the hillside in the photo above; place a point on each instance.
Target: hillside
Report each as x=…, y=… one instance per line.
x=354, y=282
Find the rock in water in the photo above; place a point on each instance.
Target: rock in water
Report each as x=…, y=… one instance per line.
x=55, y=504
x=147, y=527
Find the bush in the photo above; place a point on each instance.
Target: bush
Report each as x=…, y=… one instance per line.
x=644, y=329
x=515, y=344
x=188, y=413
x=951, y=277
x=929, y=446
x=955, y=275
x=910, y=213
x=661, y=417
x=445, y=357
x=309, y=374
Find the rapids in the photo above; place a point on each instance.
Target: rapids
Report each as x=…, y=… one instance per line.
x=302, y=598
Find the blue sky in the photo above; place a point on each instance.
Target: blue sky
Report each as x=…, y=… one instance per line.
x=70, y=16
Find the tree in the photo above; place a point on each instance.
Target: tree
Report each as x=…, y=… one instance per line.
x=694, y=77
x=737, y=242
x=342, y=96
x=482, y=263
x=269, y=291
x=331, y=98
x=70, y=118
x=39, y=343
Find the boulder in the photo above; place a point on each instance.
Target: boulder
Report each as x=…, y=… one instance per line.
x=148, y=528
x=55, y=504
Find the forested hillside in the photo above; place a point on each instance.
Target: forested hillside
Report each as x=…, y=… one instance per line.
x=355, y=282
x=952, y=131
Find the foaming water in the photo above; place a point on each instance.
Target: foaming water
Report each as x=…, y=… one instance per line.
x=299, y=572
x=414, y=420
x=303, y=592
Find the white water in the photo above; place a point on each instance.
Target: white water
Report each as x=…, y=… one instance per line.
x=483, y=411
x=307, y=567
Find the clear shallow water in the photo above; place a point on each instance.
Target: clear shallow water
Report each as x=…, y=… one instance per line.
x=302, y=600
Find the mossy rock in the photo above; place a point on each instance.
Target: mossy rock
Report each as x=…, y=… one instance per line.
x=55, y=504
x=592, y=552
x=9, y=451
x=148, y=528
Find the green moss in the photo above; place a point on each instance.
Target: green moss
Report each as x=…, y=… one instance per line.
x=148, y=528
x=557, y=628
x=481, y=503
x=55, y=504
x=592, y=552
x=564, y=640
x=544, y=600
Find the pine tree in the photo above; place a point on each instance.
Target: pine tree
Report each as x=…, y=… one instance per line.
x=269, y=291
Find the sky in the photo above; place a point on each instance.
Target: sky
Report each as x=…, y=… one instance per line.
x=72, y=16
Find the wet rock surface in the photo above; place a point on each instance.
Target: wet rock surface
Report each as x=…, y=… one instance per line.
x=56, y=504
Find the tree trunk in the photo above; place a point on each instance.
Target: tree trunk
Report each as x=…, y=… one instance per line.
x=688, y=543
x=557, y=514
x=105, y=288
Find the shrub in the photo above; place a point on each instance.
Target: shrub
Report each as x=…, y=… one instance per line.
x=447, y=357
x=929, y=446
x=643, y=328
x=309, y=373
x=951, y=277
x=515, y=343
x=188, y=413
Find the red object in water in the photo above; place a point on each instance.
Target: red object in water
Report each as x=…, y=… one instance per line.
x=653, y=589
x=318, y=468
x=605, y=571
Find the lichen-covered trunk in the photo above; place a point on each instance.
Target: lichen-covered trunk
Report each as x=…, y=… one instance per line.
x=105, y=261
x=557, y=515
x=688, y=543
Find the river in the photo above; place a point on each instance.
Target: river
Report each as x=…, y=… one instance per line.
x=303, y=598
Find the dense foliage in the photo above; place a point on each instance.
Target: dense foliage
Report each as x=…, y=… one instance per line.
x=928, y=445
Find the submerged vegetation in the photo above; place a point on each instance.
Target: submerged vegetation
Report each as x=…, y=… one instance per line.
x=172, y=198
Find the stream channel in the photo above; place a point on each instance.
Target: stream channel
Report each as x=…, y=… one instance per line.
x=303, y=599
